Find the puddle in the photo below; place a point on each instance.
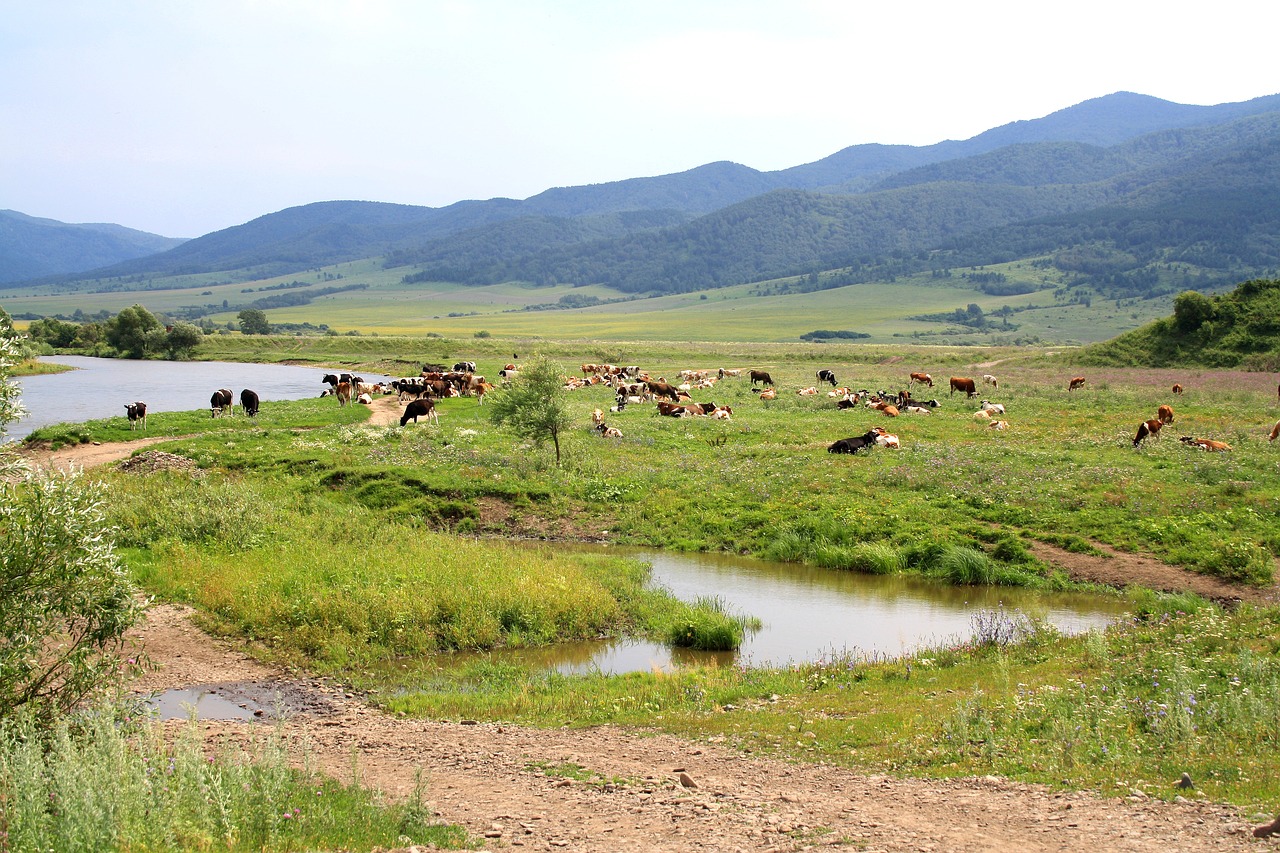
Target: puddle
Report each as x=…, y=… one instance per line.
x=208, y=705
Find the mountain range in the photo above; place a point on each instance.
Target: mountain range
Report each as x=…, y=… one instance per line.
x=1116, y=190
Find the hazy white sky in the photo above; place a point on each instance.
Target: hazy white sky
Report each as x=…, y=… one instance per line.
x=183, y=117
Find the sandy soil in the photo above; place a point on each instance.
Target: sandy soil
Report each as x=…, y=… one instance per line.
x=668, y=793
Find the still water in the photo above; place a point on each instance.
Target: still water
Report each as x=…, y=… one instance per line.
x=100, y=387
x=810, y=614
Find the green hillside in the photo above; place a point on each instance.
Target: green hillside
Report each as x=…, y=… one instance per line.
x=1236, y=329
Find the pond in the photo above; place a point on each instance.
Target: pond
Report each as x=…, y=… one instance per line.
x=809, y=614
x=100, y=387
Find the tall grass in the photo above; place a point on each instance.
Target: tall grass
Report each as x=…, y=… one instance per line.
x=92, y=784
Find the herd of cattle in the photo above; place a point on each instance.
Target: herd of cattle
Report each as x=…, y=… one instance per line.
x=631, y=385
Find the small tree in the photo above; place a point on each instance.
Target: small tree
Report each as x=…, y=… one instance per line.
x=65, y=599
x=534, y=406
x=253, y=321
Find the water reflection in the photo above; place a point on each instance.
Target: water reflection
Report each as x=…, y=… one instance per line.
x=808, y=614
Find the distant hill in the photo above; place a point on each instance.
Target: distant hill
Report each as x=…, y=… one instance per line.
x=32, y=248
x=1092, y=185
x=1236, y=329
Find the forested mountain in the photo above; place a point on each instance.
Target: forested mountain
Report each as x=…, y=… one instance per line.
x=31, y=247
x=1108, y=188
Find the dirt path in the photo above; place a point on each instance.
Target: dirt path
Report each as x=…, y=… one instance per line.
x=485, y=777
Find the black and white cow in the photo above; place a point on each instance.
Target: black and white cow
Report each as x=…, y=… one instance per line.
x=137, y=413
x=825, y=375
x=220, y=403
x=249, y=402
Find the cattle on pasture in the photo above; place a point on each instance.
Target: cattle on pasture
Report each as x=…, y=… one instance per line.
x=1275, y=432
x=465, y=367
x=1165, y=414
x=1177, y=389
x=344, y=393
x=1206, y=444
x=854, y=444
x=962, y=383
x=886, y=439
x=220, y=402
x=988, y=379
x=922, y=378
x=658, y=388
x=769, y=394
x=1076, y=382
x=1148, y=429
x=137, y=414
x=249, y=402
x=825, y=375
x=760, y=376
x=422, y=407
x=608, y=431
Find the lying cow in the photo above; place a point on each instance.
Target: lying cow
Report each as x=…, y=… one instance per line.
x=1206, y=444
x=853, y=445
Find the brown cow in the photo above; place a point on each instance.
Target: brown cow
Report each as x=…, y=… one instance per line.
x=1275, y=432
x=920, y=377
x=1177, y=389
x=1206, y=444
x=960, y=383
x=760, y=376
x=1147, y=429
x=1165, y=414
x=1076, y=382
x=663, y=389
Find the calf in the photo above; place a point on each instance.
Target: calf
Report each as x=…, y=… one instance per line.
x=1148, y=429
x=608, y=431
x=137, y=413
x=220, y=402
x=1076, y=382
x=344, y=393
x=922, y=378
x=988, y=379
x=886, y=439
x=1165, y=414
x=422, y=407
x=853, y=445
x=1206, y=444
x=249, y=402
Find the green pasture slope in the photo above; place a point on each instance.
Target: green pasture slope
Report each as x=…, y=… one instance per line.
x=767, y=311
x=959, y=501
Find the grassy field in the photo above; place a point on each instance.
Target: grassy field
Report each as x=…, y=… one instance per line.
x=767, y=311
x=959, y=501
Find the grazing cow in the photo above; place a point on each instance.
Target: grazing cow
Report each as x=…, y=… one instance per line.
x=1206, y=444
x=922, y=378
x=1177, y=389
x=1165, y=414
x=465, y=367
x=961, y=383
x=137, y=413
x=1076, y=382
x=608, y=431
x=988, y=379
x=1148, y=429
x=220, y=402
x=344, y=393
x=1275, y=432
x=422, y=407
x=249, y=402
x=825, y=375
x=722, y=373
x=760, y=376
x=853, y=445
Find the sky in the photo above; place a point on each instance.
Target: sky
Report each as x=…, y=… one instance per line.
x=183, y=117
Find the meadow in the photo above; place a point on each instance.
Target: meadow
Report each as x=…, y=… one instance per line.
x=297, y=519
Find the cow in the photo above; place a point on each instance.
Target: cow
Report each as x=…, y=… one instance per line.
x=481, y=390
x=1165, y=414
x=1076, y=382
x=992, y=408
x=465, y=367
x=808, y=392
x=1206, y=444
x=854, y=444
x=220, y=403
x=724, y=413
x=344, y=393
x=422, y=407
x=886, y=439
x=922, y=378
x=249, y=402
x=760, y=376
x=137, y=413
x=658, y=388
x=999, y=424
x=1275, y=432
x=597, y=417
x=961, y=383
x=988, y=379
x=1177, y=389
x=330, y=379
x=918, y=410
x=364, y=400
x=825, y=375
x=890, y=410
x=722, y=372
x=1148, y=429
x=608, y=431
x=769, y=394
